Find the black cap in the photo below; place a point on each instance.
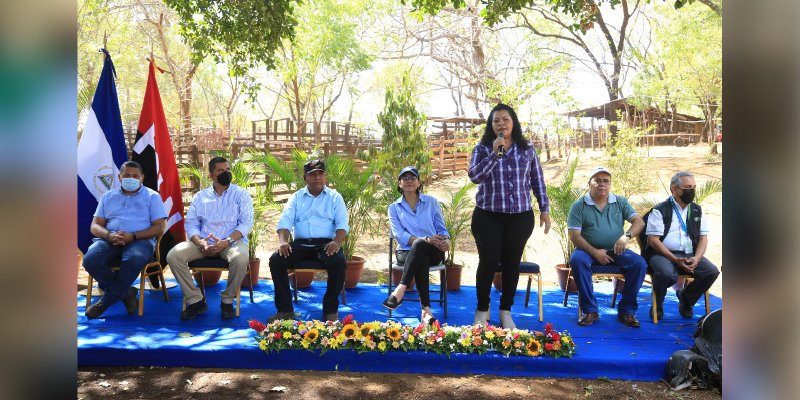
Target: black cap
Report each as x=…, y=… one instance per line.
x=408, y=169
x=313, y=165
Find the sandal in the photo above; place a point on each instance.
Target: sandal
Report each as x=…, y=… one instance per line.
x=429, y=320
x=392, y=302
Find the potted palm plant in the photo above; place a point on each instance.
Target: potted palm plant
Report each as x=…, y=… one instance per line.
x=361, y=193
x=457, y=212
x=561, y=198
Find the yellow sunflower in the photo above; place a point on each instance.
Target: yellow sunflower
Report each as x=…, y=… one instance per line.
x=311, y=336
x=365, y=330
x=534, y=347
x=393, y=333
x=349, y=331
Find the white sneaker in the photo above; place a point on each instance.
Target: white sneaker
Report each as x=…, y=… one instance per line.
x=506, y=321
x=481, y=317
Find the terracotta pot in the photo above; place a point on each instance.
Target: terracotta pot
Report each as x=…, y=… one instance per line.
x=252, y=279
x=563, y=271
x=397, y=275
x=355, y=266
x=454, y=277
x=304, y=279
x=210, y=278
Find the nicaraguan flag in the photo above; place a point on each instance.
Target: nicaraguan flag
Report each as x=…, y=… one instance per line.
x=101, y=151
x=153, y=150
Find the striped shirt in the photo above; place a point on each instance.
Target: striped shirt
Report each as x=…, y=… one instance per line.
x=210, y=213
x=505, y=183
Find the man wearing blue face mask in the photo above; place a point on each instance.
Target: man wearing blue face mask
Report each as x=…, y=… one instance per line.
x=677, y=236
x=217, y=224
x=126, y=223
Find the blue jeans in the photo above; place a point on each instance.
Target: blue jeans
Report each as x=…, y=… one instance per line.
x=130, y=259
x=633, y=266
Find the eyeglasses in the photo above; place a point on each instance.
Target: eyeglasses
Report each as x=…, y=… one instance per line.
x=408, y=178
x=602, y=181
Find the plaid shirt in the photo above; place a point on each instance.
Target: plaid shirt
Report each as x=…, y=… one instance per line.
x=505, y=183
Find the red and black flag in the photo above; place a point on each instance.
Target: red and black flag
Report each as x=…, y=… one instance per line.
x=153, y=150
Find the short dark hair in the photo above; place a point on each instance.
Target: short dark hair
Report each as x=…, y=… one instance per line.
x=516, y=132
x=131, y=164
x=214, y=161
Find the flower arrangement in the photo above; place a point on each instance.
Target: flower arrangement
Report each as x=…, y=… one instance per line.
x=392, y=336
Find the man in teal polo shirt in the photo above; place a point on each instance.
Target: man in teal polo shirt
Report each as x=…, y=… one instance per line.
x=595, y=227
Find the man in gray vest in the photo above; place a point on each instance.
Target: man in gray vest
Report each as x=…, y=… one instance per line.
x=677, y=236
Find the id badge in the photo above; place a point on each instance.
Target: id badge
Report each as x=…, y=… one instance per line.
x=689, y=249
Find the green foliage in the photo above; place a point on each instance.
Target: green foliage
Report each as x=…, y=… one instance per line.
x=707, y=189
x=404, y=141
x=360, y=191
x=457, y=213
x=561, y=197
x=628, y=162
x=245, y=33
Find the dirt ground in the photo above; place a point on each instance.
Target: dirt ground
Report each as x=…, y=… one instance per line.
x=191, y=383
x=133, y=383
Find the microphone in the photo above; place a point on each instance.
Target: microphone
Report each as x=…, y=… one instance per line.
x=501, y=150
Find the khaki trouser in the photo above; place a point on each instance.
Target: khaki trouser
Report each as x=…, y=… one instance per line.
x=182, y=254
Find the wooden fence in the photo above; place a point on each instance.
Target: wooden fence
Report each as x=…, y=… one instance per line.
x=450, y=153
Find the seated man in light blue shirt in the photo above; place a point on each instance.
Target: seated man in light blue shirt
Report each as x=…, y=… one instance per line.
x=318, y=217
x=217, y=224
x=126, y=223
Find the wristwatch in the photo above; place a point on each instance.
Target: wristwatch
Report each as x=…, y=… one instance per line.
x=230, y=241
x=628, y=235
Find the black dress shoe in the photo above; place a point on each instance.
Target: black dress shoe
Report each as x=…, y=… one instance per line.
x=628, y=320
x=132, y=302
x=228, y=311
x=686, y=310
x=391, y=302
x=97, y=309
x=194, y=310
x=588, y=319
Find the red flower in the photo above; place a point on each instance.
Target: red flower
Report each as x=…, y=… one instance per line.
x=257, y=325
x=278, y=335
x=548, y=346
x=419, y=328
x=436, y=325
x=556, y=336
x=548, y=327
x=347, y=319
x=516, y=336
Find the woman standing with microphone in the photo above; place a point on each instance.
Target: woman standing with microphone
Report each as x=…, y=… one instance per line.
x=506, y=169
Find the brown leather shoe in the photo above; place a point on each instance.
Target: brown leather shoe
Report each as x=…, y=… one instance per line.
x=628, y=320
x=588, y=319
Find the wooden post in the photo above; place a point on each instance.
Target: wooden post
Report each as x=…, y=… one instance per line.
x=441, y=156
x=593, y=133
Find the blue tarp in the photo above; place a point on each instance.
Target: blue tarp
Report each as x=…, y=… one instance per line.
x=606, y=349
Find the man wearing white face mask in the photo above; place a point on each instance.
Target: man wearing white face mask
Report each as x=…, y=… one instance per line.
x=126, y=223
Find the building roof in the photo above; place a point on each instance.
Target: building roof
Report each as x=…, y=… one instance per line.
x=606, y=110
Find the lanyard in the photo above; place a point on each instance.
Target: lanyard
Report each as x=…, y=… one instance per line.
x=678, y=213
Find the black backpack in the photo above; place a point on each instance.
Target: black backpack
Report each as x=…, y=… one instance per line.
x=700, y=367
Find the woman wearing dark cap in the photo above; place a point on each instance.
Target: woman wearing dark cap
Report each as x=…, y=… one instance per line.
x=418, y=226
x=506, y=169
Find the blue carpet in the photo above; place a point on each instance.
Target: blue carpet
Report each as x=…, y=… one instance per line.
x=605, y=349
